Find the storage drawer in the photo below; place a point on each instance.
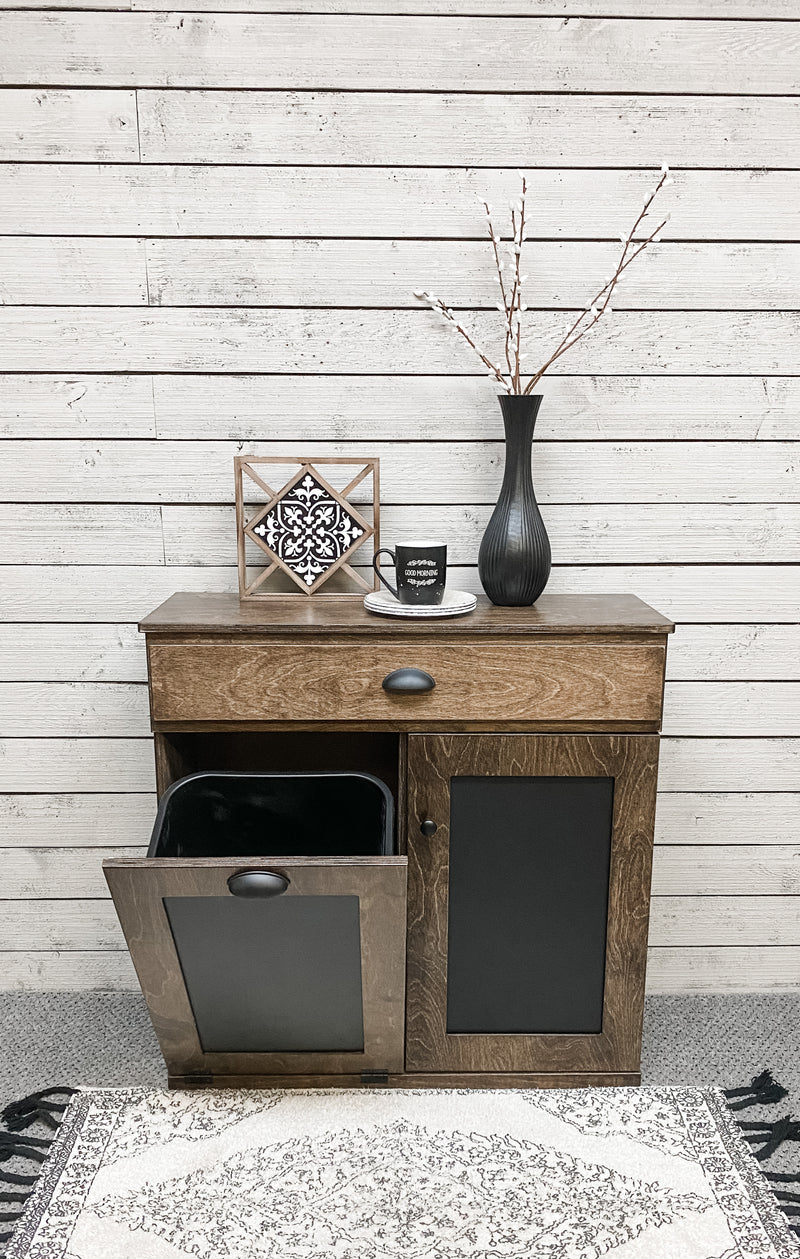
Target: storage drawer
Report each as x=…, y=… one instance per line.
x=477, y=680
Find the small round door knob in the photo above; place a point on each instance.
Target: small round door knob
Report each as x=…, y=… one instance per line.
x=428, y=827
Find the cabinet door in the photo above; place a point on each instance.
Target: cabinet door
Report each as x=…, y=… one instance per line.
x=528, y=904
x=311, y=980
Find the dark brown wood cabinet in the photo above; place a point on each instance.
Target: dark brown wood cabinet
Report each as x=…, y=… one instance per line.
x=524, y=784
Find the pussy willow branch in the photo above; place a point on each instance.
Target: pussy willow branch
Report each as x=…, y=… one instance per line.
x=516, y=298
x=566, y=344
x=499, y=265
x=447, y=314
x=512, y=305
x=608, y=288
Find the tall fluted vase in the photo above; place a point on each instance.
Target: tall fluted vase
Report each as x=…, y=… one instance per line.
x=514, y=558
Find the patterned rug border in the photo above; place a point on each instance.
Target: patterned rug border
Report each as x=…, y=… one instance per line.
x=63, y=1142
x=742, y=1160
x=751, y=1171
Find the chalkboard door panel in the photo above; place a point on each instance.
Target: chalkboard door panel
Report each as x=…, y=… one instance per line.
x=308, y=982
x=528, y=904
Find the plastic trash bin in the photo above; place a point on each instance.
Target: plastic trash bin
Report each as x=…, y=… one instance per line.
x=260, y=815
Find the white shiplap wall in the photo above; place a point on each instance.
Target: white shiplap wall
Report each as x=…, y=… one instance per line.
x=211, y=221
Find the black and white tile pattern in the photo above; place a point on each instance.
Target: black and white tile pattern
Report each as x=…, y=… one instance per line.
x=308, y=529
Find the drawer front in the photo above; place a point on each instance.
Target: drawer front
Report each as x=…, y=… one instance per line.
x=490, y=680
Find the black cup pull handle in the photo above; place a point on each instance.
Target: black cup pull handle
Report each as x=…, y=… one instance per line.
x=262, y=883
x=408, y=682
x=428, y=827
x=385, y=551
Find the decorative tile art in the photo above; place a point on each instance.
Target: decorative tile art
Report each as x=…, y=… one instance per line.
x=308, y=529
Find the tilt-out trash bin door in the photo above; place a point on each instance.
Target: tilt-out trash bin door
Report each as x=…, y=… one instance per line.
x=267, y=925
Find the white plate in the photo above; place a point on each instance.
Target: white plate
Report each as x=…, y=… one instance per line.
x=454, y=603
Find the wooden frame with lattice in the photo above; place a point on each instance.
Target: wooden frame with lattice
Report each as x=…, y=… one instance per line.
x=263, y=524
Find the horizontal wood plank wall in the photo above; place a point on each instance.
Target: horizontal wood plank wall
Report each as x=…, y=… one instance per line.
x=212, y=217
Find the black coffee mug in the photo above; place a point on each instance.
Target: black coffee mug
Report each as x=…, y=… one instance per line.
x=420, y=569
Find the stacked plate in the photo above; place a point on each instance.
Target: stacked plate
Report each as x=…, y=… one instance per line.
x=454, y=603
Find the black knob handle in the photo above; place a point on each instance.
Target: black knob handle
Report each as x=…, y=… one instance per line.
x=428, y=827
x=408, y=682
x=261, y=883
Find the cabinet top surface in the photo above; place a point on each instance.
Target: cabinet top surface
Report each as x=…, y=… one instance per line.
x=552, y=614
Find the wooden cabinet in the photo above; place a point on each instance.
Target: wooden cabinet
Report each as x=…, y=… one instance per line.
x=525, y=790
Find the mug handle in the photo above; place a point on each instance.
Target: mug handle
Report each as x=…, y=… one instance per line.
x=385, y=551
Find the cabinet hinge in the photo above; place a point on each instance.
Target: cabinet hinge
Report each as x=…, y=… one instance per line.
x=375, y=1079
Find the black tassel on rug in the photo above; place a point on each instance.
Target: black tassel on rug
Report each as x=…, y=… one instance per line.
x=45, y=1107
x=762, y=1090
x=766, y=1137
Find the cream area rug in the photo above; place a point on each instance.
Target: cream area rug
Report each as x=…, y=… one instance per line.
x=401, y=1174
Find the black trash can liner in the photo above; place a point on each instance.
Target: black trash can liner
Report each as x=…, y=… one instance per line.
x=222, y=814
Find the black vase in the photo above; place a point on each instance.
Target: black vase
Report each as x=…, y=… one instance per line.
x=514, y=559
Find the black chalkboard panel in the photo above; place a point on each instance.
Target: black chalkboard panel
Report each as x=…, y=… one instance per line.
x=529, y=869
x=271, y=975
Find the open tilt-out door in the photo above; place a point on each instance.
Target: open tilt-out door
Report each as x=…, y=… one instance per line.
x=268, y=966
